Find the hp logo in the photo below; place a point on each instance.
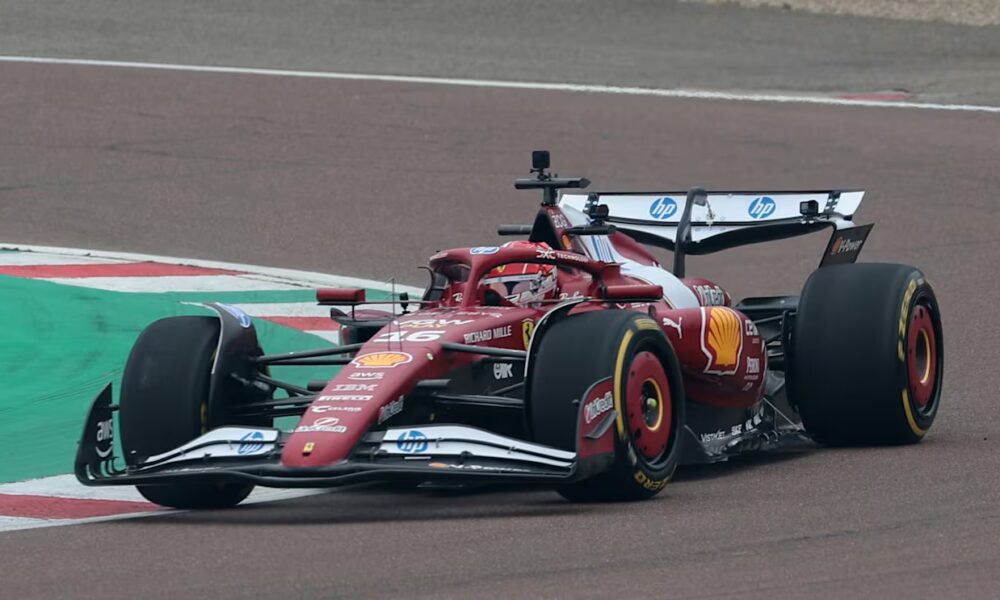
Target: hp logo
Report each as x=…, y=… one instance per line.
x=761, y=207
x=663, y=208
x=251, y=442
x=412, y=442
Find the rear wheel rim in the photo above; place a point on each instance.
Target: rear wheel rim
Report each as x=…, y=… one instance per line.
x=922, y=358
x=648, y=406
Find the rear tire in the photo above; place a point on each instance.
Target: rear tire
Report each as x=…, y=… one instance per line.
x=629, y=348
x=867, y=355
x=164, y=404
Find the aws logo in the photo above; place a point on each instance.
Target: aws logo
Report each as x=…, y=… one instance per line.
x=721, y=339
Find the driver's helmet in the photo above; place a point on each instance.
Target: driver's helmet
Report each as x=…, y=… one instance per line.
x=523, y=284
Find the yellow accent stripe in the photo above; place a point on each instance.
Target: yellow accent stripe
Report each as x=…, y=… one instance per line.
x=917, y=431
x=618, y=391
x=927, y=352
x=646, y=324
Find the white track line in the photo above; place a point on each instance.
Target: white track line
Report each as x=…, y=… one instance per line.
x=259, y=496
x=66, y=486
x=331, y=336
x=16, y=523
x=283, y=309
x=174, y=283
x=33, y=259
x=518, y=85
x=20, y=523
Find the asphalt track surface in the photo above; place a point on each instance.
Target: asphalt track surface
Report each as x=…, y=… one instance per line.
x=363, y=178
x=650, y=43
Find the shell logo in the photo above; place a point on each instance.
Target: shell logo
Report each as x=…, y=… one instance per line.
x=722, y=339
x=381, y=360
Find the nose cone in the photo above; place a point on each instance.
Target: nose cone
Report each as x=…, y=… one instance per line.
x=350, y=405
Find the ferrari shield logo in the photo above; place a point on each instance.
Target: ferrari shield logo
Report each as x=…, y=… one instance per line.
x=527, y=328
x=721, y=339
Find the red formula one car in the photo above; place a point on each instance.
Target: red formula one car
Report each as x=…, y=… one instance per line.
x=572, y=360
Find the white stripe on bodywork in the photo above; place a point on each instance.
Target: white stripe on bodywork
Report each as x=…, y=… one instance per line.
x=674, y=290
x=473, y=450
x=600, y=247
x=222, y=442
x=457, y=440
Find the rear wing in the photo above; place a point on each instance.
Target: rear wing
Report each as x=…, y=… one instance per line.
x=720, y=220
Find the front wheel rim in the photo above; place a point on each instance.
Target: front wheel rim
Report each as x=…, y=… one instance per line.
x=648, y=406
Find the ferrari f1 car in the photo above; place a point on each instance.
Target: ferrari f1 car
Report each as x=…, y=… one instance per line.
x=572, y=359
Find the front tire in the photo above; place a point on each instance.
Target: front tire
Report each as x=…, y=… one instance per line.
x=868, y=355
x=164, y=404
x=630, y=349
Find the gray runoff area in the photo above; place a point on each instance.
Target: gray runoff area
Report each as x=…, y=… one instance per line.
x=654, y=43
x=368, y=179
x=962, y=12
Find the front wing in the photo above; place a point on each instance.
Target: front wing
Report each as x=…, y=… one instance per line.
x=432, y=453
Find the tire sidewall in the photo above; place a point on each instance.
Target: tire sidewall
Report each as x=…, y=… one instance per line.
x=165, y=386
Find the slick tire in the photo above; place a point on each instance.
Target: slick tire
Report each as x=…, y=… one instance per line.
x=629, y=349
x=867, y=355
x=164, y=403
